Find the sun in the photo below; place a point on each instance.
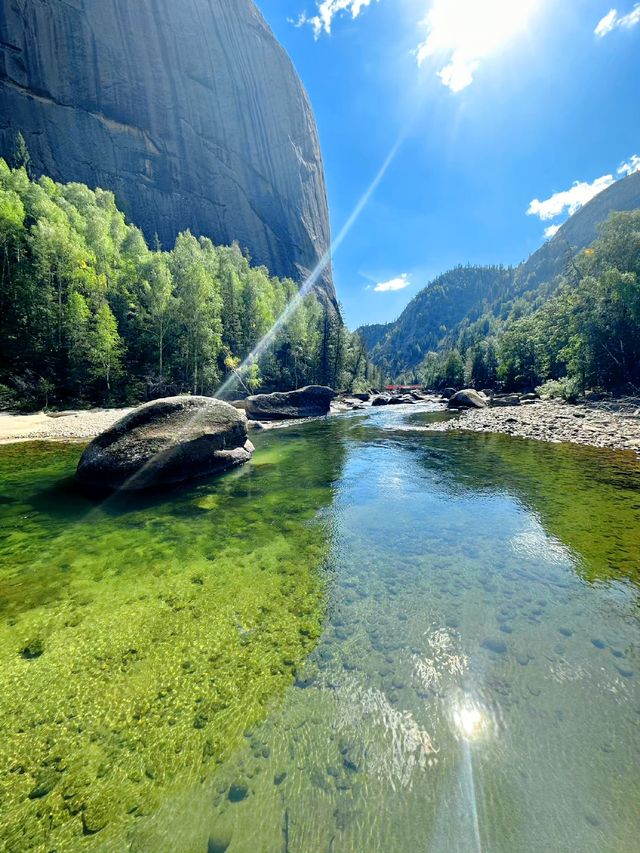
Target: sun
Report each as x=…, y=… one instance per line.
x=469, y=31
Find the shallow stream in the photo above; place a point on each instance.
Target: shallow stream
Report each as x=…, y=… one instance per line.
x=372, y=638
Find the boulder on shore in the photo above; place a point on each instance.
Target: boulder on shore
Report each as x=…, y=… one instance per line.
x=505, y=400
x=467, y=399
x=447, y=393
x=166, y=442
x=309, y=402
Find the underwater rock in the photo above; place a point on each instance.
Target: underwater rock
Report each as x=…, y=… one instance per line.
x=218, y=842
x=33, y=649
x=166, y=442
x=308, y=402
x=467, y=399
x=238, y=792
x=495, y=646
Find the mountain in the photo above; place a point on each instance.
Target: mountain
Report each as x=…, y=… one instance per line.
x=190, y=112
x=578, y=232
x=442, y=313
x=431, y=315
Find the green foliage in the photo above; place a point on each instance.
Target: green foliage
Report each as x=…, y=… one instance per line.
x=582, y=330
x=88, y=312
x=21, y=157
x=436, y=317
x=560, y=389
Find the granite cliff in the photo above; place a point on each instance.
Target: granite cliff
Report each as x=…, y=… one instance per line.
x=190, y=112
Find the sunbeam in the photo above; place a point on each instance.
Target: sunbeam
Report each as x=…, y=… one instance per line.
x=263, y=345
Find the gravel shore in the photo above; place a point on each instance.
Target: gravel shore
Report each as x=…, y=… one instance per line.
x=614, y=424
x=57, y=426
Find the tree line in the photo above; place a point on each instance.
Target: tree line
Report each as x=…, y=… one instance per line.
x=578, y=333
x=89, y=313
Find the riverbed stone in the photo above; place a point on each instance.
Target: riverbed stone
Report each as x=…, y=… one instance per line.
x=468, y=398
x=506, y=400
x=308, y=402
x=166, y=442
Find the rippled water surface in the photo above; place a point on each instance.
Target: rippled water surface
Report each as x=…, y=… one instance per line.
x=373, y=638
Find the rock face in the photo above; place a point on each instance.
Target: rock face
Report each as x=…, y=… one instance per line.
x=467, y=399
x=190, y=112
x=311, y=401
x=166, y=442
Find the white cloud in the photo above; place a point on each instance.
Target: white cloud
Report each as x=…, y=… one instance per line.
x=326, y=11
x=551, y=231
x=463, y=33
x=398, y=283
x=569, y=201
x=607, y=24
x=630, y=167
x=612, y=21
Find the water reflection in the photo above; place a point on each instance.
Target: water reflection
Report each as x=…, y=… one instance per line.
x=469, y=691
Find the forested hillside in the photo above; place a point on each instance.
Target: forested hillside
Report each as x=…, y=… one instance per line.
x=552, y=318
x=579, y=332
x=90, y=313
x=428, y=320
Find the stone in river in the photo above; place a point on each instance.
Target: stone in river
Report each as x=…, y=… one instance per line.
x=308, y=402
x=165, y=442
x=625, y=673
x=238, y=792
x=498, y=647
x=219, y=839
x=467, y=399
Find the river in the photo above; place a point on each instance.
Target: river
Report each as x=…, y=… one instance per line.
x=371, y=638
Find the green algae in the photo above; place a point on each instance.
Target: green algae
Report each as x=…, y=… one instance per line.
x=142, y=637
x=269, y=661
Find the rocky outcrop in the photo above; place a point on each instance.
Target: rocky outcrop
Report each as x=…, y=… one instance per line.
x=467, y=399
x=311, y=401
x=191, y=113
x=166, y=442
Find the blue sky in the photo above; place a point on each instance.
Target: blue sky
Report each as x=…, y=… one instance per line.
x=496, y=115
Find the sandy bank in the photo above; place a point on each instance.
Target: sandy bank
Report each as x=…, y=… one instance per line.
x=57, y=426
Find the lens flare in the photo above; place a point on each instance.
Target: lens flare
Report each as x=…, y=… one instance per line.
x=263, y=345
x=469, y=721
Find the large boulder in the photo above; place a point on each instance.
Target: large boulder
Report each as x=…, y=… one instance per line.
x=505, y=400
x=467, y=399
x=309, y=402
x=166, y=442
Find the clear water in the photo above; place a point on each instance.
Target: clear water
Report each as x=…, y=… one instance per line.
x=466, y=679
